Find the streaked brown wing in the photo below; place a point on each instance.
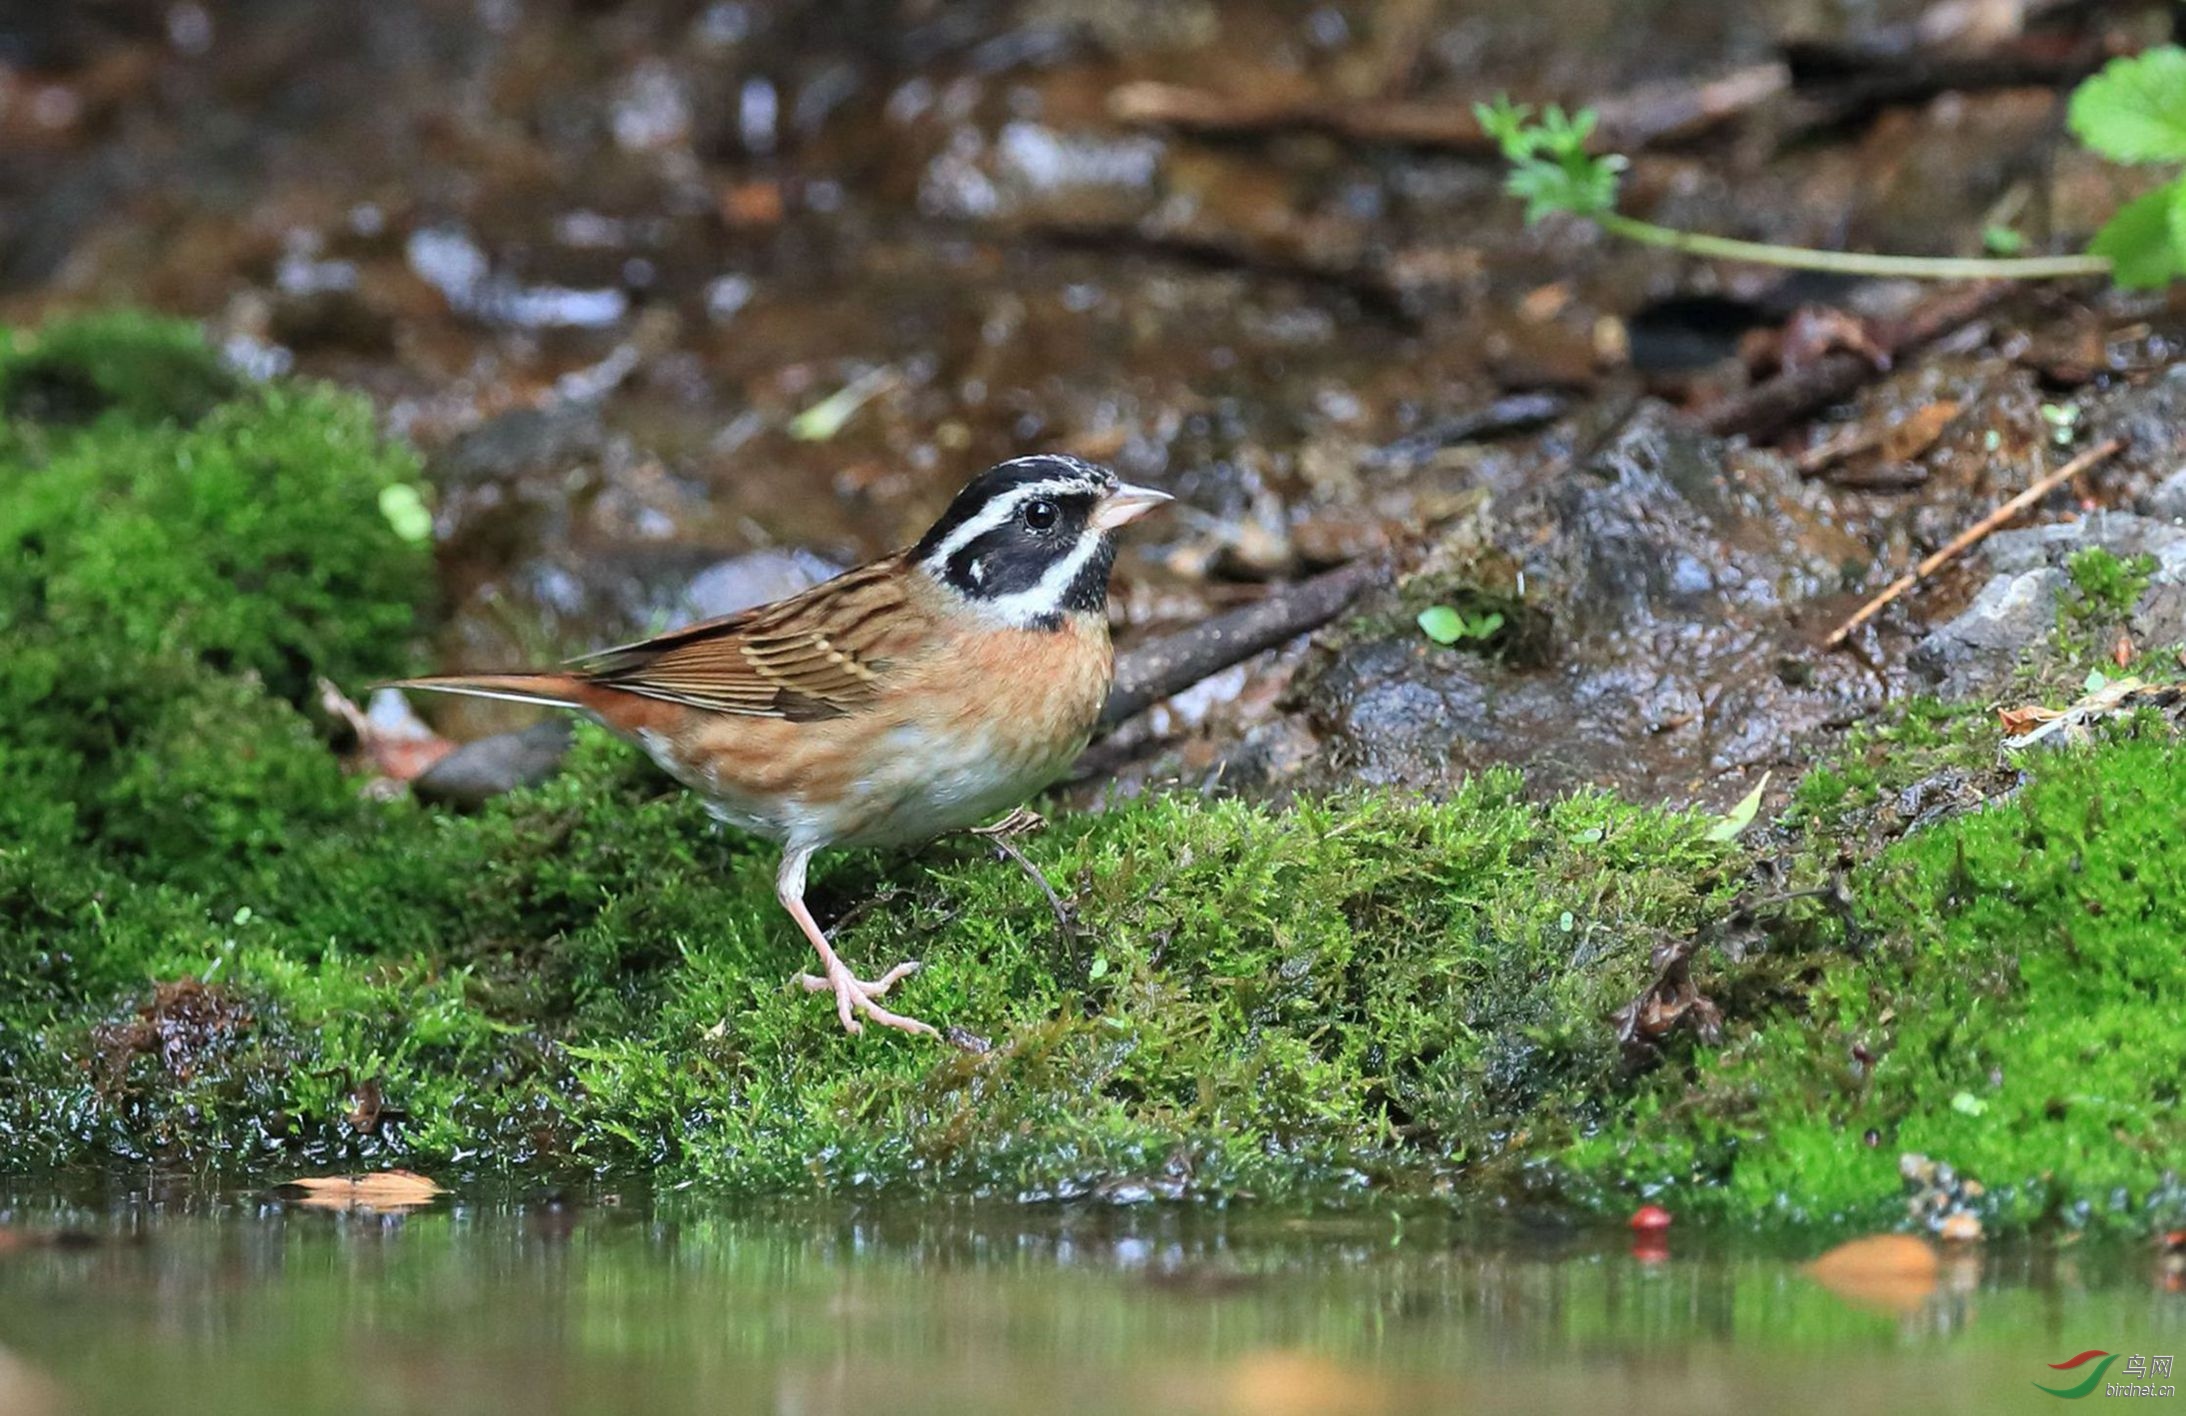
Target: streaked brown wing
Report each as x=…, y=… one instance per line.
x=821, y=653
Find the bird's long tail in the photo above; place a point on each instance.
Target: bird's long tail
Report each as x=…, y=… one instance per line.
x=553, y=690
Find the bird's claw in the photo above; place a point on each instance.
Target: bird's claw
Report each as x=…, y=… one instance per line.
x=854, y=995
x=1022, y=820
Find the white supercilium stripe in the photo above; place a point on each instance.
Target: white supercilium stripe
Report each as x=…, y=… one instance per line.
x=995, y=514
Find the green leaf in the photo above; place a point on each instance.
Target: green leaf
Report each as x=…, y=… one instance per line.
x=2135, y=109
x=2142, y=240
x=2178, y=226
x=406, y=513
x=823, y=420
x=1739, y=817
x=1442, y=624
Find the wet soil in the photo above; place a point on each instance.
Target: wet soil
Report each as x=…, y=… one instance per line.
x=598, y=258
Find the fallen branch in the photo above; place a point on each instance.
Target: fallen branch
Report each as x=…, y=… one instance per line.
x=1654, y=114
x=1513, y=413
x=1152, y=672
x=1768, y=407
x=1292, y=255
x=1973, y=536
x=1844, y=98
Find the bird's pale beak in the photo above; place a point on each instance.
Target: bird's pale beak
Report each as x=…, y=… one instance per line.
x=1126, y=504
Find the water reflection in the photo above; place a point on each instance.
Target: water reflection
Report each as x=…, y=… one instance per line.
x=613, y=1301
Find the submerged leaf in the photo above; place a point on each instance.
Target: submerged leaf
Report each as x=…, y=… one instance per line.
x=1894, y=1272
x=385, y=1191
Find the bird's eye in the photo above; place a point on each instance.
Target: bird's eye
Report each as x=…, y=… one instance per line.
x=1041, y=515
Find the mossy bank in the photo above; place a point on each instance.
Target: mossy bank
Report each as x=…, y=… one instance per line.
x=215, y=951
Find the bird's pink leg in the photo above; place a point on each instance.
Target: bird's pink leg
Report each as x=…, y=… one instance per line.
x=853, y=995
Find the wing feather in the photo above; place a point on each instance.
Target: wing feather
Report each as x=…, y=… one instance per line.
x=822, y=653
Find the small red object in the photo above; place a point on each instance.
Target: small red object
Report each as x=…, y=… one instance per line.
x=1650, y=1219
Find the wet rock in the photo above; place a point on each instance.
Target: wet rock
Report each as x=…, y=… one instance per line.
x=1982, y=645
x=1977, y=652
x=2120, y=533
x=2168, y=501
x=478, y=771
x=2151, y=417
x=1672, y=669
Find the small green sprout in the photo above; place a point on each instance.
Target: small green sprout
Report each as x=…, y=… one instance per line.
x=1550, y=166
x=2134, y=111
x=1447, y=625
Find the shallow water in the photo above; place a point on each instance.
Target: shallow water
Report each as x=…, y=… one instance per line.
x=230, y=1302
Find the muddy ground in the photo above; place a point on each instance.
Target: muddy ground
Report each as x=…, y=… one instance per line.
x=598, y=258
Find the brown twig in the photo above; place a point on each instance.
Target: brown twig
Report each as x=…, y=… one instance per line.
x=1768, y=407
x=1294, y=254
x=1152, y=672
x=1657, y=113
x=1973, y=536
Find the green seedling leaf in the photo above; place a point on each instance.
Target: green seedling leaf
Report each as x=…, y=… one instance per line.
x=2135, y=109
x=1445, y=625
x=1550, y=166
x=823, y=420
x=2141, y=241
x=2002, y=241
x=406, y=513
x=1739, y=817
x=1442, y=624
x=2178, y=225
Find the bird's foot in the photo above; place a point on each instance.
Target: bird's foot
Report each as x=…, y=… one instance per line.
x=1021, y=821
x=853, y=995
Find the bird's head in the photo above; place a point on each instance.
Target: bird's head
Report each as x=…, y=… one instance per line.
x=1030, y=541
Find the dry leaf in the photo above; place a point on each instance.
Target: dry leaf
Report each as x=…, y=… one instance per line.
x=2112, y=698
x=1893, y=1273
x=1917, y=432
x=384, y=1192
x=2016, y=721
x=393, y=743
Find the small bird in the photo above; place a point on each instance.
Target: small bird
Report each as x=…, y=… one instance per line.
x=913, y=696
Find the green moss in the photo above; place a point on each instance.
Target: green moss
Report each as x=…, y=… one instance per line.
x=2024, y=1010
x=174, y=572
x=2105, y=587
x=1272, y=1001
x=129, y=366
x=251, y=540
x=1916, y=741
